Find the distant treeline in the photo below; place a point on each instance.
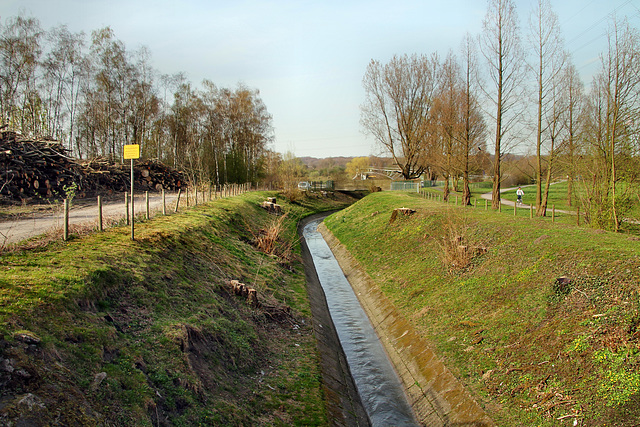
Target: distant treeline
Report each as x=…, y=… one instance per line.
x=95, y=96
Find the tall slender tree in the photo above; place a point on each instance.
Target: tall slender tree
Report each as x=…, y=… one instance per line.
x=621, y=83
x=500, y=45
x=474, y=130
x=545, y=40
x=20, y=50
x=574, y=94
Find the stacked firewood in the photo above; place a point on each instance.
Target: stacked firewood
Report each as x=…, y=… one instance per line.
x=34, y=170
x=149, y=175
x=39, y=169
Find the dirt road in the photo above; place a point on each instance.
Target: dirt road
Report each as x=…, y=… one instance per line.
x=14, y=231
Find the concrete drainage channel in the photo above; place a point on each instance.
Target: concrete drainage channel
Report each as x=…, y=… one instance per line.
x=434, y=394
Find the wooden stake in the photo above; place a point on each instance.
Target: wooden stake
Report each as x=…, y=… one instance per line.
x=178, y=200
x=126, y=205
x=99, y=213
x=65, y=234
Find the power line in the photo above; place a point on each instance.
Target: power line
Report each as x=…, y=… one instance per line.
x=580, y=36
x=598, y=22
x=579, y=12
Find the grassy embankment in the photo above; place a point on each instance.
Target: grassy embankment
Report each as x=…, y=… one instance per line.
x=102, y=330
x=482, y=287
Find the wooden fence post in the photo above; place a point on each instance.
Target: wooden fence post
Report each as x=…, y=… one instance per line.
x=178, y=200
x=515, y=209
x=164, y=204
x=65, y=233
x=99, y=213
x=553, y=213
x=126, y=205
x=146, y=200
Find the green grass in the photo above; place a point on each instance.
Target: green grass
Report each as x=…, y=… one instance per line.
x=558, y=197
x=478, y=204
x=500, y=314
x=156, y=317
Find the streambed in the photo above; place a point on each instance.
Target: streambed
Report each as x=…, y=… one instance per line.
x=378, y=385
x=435, y=396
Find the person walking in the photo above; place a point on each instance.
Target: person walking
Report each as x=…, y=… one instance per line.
x=519, y=193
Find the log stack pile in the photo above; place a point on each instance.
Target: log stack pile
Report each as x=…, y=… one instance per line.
x=104, y=176
x=43, y=169
x=35, y=169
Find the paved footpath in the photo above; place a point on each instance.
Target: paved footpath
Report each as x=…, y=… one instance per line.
x=14, y=231
x=489, y=196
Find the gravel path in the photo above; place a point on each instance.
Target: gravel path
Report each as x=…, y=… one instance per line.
x=14, y=231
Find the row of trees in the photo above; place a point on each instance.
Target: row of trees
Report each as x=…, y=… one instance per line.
x=435, y=116
x=95, y=96
x=426, y=115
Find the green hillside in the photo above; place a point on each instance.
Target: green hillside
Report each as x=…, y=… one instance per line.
x=540, y=320
x=102, y=330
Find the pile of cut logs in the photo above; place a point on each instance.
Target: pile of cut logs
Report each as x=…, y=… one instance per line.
x=104, y=176
x=39, y=169
x=43, y=169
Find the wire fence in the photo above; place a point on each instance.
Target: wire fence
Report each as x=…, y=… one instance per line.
x=77, y=217
x=516, y=208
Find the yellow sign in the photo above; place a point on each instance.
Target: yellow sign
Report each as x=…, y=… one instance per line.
x=132, y=151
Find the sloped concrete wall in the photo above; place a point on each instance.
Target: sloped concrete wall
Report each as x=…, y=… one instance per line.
x=437, y=397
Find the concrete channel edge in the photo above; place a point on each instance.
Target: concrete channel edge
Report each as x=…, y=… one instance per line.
x=436, y=396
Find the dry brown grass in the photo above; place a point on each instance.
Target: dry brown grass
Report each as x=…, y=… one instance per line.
x=269, y=240
x=457, y=245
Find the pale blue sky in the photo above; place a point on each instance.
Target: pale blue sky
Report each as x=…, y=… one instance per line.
x=307, y=58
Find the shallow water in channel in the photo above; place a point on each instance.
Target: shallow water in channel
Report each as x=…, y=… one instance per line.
x=378, y=384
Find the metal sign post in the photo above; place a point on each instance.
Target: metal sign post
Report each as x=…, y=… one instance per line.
x=132, y=152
